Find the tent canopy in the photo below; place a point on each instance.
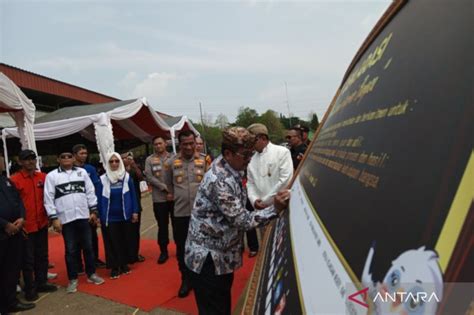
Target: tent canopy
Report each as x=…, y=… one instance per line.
x=22, y=109
x=105, y=123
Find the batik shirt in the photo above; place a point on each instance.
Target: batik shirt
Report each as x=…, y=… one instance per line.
x=219, y=219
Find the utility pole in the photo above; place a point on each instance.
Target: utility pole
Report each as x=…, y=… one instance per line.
x=288, y=104
x=202, y=122
x=202, y=127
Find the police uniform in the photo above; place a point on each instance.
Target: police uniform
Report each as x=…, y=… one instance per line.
x=156, y=170
x=208, y=159
x=184, y=177
x=11, y=209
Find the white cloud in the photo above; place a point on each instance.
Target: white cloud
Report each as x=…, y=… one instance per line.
x=130, y=79
x=238, y=57
x=154, y=86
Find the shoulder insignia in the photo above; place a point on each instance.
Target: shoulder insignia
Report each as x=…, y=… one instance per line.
x=199, y=162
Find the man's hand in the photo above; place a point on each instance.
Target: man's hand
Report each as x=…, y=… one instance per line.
x=135, y=218
x=259, y=205
x=169, y=197
x=93, y=219
x=282, y=199
x=57, y=226
x=19, y=223
x=11, y=229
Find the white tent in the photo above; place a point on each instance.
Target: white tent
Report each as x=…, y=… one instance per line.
x=102, y=123
x=22, y=109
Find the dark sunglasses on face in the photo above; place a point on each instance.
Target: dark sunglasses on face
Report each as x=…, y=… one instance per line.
x=65, y=156
x=114, y=161
x=246, y=155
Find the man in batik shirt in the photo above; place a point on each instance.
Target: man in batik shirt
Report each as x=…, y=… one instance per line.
x=218, y=220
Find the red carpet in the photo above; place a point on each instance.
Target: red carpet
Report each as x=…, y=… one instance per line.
x=149, y=285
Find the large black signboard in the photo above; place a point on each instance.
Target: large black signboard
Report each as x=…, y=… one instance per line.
x=389, y=159
x=392, y=167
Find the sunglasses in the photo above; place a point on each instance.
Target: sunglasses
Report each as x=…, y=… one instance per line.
x=29, y=158
x=65, y=156
x=114, y=161
x=246, y=155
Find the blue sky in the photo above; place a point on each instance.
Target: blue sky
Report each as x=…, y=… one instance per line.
x=224, y=54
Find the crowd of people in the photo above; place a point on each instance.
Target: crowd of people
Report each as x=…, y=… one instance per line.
x=210, y=204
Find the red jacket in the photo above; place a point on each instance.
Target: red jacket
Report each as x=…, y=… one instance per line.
x=31, y=191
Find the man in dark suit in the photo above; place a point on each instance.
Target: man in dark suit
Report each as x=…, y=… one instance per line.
x=12, y=213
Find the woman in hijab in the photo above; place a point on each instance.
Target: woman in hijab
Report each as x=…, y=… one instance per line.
x=118, y=207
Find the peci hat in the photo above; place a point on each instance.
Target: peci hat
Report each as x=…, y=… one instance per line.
x=238, y=137
x=258, y=129
x=25, y=154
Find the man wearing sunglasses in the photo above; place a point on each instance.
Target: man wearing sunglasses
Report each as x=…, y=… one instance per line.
x=71, y=204
x=218, y=220
x=297, y=146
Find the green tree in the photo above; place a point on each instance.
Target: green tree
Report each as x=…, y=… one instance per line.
x=246, y=117
x=212, y=136
x=313, y=121
x=276, y=130
x=290, y=122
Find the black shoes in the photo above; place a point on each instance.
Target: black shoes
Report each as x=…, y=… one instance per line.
x=31, y=296
x=115, y=273
x=100, y=264
x=184, y=289
x=20, y=307
x=47, y=287
x=125, y=270
x=140, y=258
x=163, y=258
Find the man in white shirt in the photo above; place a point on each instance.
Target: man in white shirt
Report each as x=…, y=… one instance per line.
x=270, y=169
x=70, y=201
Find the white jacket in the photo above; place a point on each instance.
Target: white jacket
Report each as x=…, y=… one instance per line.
x=268, y=172
x=69, y=195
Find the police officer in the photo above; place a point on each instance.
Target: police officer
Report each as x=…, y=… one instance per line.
x=200, y=150
x=12, y=213
x=155, y=171
x=297, y=146
x=186, y=171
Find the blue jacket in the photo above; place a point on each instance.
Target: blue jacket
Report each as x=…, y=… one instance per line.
x=129, y=198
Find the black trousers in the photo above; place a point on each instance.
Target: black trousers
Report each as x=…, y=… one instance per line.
x=180, y=233
x=76, y=235
x=212, y=292
x=252, y=239
x=117, y=237
x=134, y=240
x=10, y=263
x=35, y=259
x=95, y=248
x=163, y=211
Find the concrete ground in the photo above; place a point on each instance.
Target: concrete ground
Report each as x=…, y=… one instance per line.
x=81, y=303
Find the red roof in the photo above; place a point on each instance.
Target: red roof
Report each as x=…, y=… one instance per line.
x=37, y=82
